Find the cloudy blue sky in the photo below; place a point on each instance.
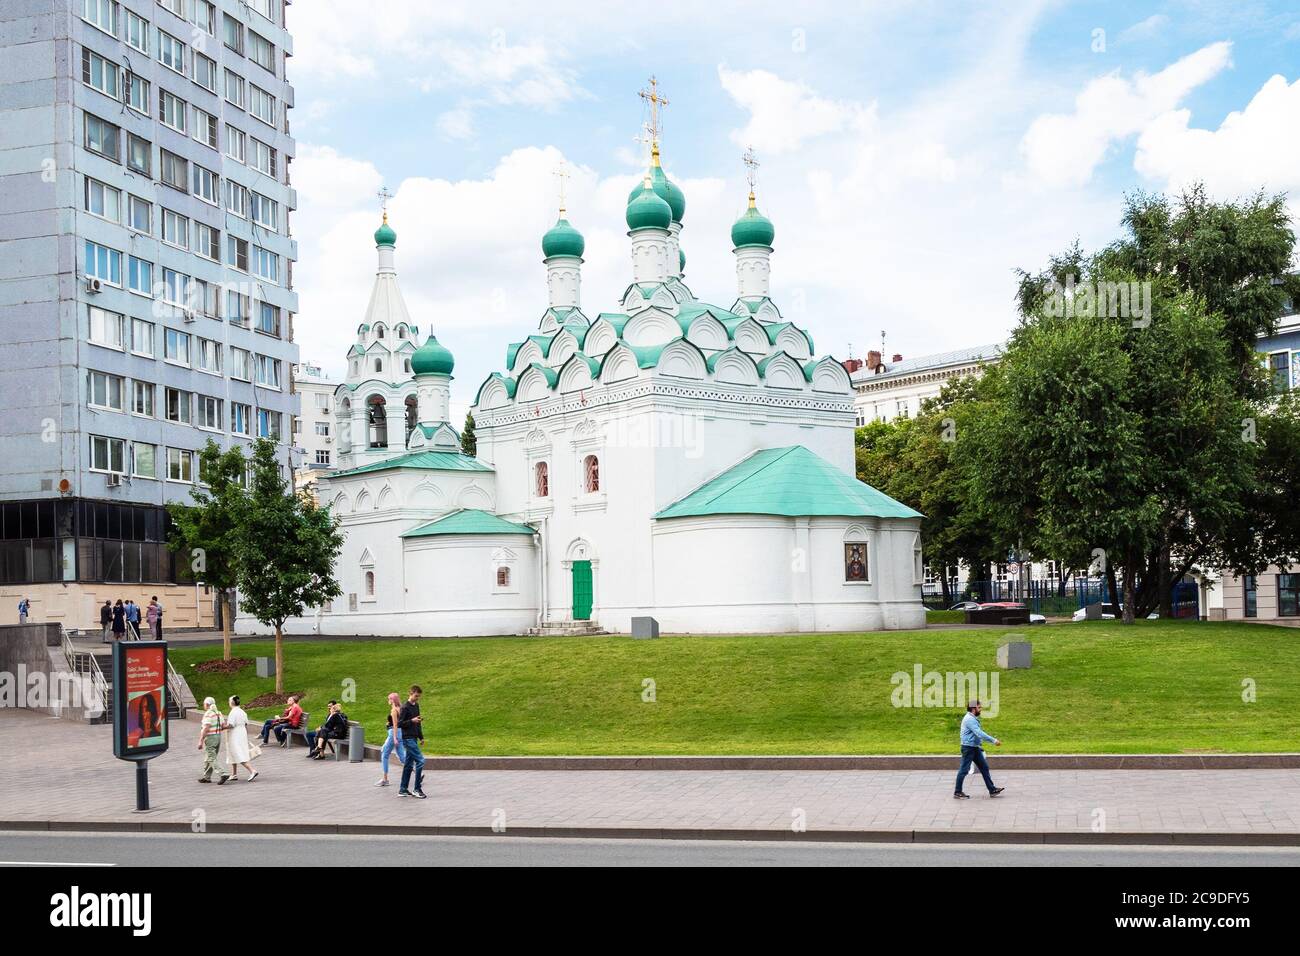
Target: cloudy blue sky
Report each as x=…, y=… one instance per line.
x=913, y=154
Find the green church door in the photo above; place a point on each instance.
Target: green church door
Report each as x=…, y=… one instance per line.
x=582, y=590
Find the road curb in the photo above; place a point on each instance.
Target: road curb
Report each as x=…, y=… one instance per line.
x=1077, y=838
x=933, y=762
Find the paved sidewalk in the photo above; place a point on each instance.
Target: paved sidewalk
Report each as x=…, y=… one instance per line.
x=61, y=774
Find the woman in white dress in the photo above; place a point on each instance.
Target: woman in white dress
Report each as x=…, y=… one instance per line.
x=237, y=750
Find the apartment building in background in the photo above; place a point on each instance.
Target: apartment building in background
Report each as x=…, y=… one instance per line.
x=313, y=427
x=884, y=391
x=146, y=282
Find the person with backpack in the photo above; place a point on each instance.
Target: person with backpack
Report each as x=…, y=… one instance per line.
x=334, y=728
x=24, y=608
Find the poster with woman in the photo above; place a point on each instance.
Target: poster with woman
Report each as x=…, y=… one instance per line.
x=140, y=669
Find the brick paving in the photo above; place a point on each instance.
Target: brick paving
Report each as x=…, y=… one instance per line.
x=62, y=772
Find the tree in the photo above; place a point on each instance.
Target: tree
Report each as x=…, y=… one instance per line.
x=286, y=556
x=468, y=441
x=914, y=460
x=206, y=533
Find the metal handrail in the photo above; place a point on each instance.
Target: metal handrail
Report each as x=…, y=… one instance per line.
x=174, y=686
x=86, y=665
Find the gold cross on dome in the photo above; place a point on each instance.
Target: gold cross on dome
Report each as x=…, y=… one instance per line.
x=751, y=168
x=384, y=195
x=655, y=101
x=562, y=177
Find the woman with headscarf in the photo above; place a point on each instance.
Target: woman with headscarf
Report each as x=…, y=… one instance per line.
x=210, y=741
x=237, y=750
x=393, y=742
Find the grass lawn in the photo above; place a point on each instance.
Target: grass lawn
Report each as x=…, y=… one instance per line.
x=1097, y=687
x=945, y=617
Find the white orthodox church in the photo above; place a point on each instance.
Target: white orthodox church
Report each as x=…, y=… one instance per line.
x=672, y=458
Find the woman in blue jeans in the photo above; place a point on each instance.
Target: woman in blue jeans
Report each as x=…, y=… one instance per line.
x=393, y=742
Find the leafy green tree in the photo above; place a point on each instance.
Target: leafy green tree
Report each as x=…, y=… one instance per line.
x=468, y=441
x=287, y=553
x=205, y=535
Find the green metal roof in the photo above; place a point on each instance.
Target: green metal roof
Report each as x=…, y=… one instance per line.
x=549, y=374
x=505, y=380
x=468, y=521
x=787, y=481
x=426, y=460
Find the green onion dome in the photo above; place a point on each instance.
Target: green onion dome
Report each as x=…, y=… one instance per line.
x=432, y=358
x=563, y=240
x=664, y=188
x=681, y=260
x=384, y=235
x=753, y=228
x=646, y=209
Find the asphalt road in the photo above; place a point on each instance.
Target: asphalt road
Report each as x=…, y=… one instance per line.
x=101, y=849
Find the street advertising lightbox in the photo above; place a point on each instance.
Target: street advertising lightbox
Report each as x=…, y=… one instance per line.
x=139, y=699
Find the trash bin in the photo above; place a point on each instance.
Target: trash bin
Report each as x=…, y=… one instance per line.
x=356, y=743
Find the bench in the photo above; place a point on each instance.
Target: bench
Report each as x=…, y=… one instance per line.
x=345, y=744
x=300, y=730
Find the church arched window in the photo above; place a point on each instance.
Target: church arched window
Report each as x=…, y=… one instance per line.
x=379, y=331
x=591, y=474
x=379, y=365
x=370, y=584
x=503, y=577
x=542, y=480
x=401, y=331
x=407, y=364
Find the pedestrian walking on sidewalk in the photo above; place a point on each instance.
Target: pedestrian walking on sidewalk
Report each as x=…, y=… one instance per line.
x=133, y=619
x=393, y=742
x=210, y=741
x=153, y=616
x=972, y=751
x=408, y=719
x=238, y=753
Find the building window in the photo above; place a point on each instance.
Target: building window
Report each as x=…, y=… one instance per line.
x=105, y=391
x=1279, y=367
x=209, y=413
x=180, y=465
x=176, y=347
x=261, y=104
x=370, y=584
x=503, y=577
x=232, y=33
x=268, y=318
x=240, y=418
x=103, y=200
x=856, y=568
x=266, y=264
x=268, y=371
x=1288, y=595
x=100, y=13
x=103, y=263
x=100, y=74
x=137, y=93
x=205, y=17
x=107, y=328
x=107, y=454
x=237, y=253
x=137, y=32
x=261, y=51
x=207, y=243
x=239, y=308
x=379, y=365
x=207, y=356
x=139, y=154
x=235, y=149
x=264, y=212
x=239, y=365
x=591, y=474
x=171, y=111
x=205, y=72
x=1250, y=595
x=139, y=214
x=102, y=137
x=207, y=184
x=171, y=52
x=323, y=429
x=173, y=170
x=178, y=406
x=542, y=480
x=142, y=398
x=205, y=131
x=322, y=456
x=263, y=157
x=139, y=276
x=176, y=287
x=142, y=343
x=234, y=89
x=143, y=464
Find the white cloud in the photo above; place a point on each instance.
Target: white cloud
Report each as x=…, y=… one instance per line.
x=1145, y=29
x=1062, y=149
x=784, y=114
x=1252, y=148
x=456, y=124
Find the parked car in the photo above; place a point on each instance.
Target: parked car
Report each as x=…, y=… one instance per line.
x=965, y=606
x=1109, y=612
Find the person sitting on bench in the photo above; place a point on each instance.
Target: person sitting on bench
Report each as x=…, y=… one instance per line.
x=290, y=719
x=334, y=728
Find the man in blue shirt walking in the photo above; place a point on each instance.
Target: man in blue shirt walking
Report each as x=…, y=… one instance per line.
x=972, y=751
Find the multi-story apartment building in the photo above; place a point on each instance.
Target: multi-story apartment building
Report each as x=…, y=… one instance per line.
x=145, y=281
x=1273, y=596
x=313, y=428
